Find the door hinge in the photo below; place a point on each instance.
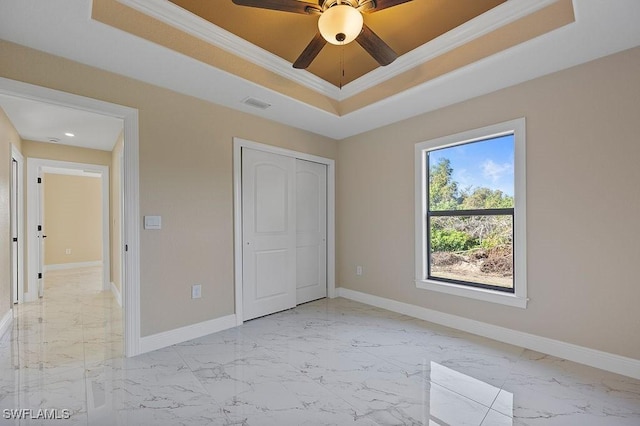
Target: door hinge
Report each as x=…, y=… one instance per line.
x=39, y=227
x=126, y=247
x=39, y=275
x=15, y=239
x=39, y=180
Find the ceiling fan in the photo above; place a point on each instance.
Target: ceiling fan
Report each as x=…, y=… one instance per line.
x=340, y=22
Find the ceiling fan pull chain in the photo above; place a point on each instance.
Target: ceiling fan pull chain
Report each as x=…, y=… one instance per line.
x=341, y=65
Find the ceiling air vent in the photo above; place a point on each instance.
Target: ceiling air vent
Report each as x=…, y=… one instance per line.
x=256, y=103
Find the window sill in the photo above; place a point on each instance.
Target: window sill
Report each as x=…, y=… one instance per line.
x=474, y=293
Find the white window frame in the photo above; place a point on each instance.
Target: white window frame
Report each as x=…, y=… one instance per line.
x=519, y=297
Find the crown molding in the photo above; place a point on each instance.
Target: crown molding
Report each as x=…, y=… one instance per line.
x=171, y=14
x=489, y=21
x=177, y=17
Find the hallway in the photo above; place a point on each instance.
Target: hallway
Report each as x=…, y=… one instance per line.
x=55, y=339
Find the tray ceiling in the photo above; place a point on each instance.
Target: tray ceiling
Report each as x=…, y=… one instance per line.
x=160, y=43
x=403, y=27
x=503, y=25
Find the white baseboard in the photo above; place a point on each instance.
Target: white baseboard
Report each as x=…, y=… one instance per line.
x=606, y=361
x=182, y=334
x=6, y=322
x=116, y=293
x=59, y=266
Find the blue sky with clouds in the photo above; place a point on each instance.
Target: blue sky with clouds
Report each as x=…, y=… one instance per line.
x=488, y=163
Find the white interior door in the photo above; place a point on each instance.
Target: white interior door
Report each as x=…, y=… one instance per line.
x=268, y=233
x=15, y=264
x=311, y=227
x=41, y=235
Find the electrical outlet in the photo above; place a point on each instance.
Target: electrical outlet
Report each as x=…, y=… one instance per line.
x=358, y=270
x=196, y=291
x=67, y=251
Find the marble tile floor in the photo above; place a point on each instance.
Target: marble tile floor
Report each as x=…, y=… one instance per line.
x=329, y=362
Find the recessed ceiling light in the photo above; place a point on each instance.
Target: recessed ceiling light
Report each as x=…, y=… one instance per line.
x=69, y=134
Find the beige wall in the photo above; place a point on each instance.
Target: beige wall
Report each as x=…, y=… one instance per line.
x=72, y=219
x=185, y=176
x=115, y=206
x=583, y=205
x=8, y=136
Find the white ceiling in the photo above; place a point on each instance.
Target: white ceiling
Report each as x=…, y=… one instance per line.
x=64, y=28
x=38, y=121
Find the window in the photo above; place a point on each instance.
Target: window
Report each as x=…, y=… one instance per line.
x=470, y=214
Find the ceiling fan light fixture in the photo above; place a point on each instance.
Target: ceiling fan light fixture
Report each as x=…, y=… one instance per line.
x=340, y=24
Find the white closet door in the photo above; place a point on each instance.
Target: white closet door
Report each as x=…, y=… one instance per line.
x=269, y=233
x=311, y=227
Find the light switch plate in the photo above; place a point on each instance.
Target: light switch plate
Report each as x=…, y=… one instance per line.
x=196, y=291
x=152, y=222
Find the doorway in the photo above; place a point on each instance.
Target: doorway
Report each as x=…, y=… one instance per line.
x=131, y=222
x=36, y=168
x=284, y=228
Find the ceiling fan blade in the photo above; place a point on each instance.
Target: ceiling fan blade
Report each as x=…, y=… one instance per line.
x=376, y=47
x=310, y=52
x=293, y=6
x=385, y=4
